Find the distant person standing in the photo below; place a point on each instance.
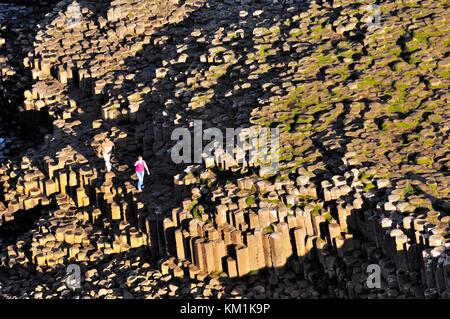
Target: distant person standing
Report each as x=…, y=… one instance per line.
x=107, y=147
x=141, y=167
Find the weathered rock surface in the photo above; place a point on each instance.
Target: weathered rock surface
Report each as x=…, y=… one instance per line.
x=363, y=115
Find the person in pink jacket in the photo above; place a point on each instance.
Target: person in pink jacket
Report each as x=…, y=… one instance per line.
x=141, y=167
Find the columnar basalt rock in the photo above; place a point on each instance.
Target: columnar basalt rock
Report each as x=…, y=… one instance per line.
x=361, y=176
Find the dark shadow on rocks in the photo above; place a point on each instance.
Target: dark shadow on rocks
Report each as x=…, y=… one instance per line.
x=159, y=108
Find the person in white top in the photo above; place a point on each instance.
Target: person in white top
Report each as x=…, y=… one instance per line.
x=106, y=148
x=141, y=167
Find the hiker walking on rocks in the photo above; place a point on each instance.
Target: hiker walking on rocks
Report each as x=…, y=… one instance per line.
x=107, y=147
x=141, y=167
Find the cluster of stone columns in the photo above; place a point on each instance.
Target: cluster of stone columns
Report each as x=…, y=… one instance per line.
x=85, y=203
x=241, y=236
x=93, y=70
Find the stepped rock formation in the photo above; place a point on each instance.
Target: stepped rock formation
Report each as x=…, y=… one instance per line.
x=363, y=114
